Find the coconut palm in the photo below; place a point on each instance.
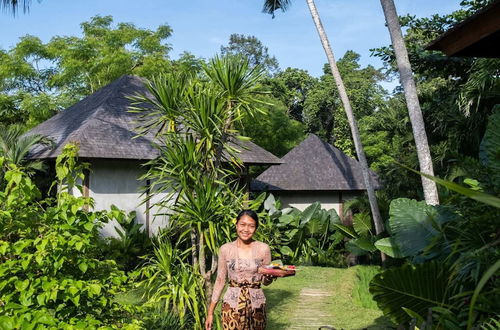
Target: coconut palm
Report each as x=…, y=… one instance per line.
x=270, y=6
x=416, y=118
x=13, y=5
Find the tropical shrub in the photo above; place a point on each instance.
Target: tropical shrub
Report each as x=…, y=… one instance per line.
x=171, y=285
x=301, y=237
x=132, y=242
x=51, y=273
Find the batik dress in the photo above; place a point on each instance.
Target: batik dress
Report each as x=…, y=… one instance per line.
x=244, y=303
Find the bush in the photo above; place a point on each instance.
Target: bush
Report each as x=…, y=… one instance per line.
x=50, y=270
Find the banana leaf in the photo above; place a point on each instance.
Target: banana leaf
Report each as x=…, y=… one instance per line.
x=347, y=231
x=309, y=213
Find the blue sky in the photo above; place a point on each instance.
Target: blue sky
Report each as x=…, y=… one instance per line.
x=202, y=26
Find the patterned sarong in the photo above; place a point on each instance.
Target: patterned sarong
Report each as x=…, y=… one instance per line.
x=244, y=317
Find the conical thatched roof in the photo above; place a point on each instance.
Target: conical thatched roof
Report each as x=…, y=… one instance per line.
x=313, y=165
x=103, y=128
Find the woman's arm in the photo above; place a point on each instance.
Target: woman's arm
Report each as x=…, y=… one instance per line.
x=218, y=287
x=266, y=260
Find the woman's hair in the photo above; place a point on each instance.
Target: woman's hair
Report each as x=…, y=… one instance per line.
x=250, y=214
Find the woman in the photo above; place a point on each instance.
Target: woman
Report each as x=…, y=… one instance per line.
x=244, y=302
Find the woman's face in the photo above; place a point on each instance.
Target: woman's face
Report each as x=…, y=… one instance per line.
x=245, y=228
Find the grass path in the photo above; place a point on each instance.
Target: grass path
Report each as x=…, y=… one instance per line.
x=319, y=296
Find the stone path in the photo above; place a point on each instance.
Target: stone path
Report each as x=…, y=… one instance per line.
x=308, y=313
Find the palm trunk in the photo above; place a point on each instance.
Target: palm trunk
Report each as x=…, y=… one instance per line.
x=416, y=118
x=377, y=219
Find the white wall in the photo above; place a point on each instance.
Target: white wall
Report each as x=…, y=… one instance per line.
x=302, y=199
x=116, y=182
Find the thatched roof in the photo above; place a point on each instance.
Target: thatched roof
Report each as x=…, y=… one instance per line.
x=313, y=165
x=103, y=128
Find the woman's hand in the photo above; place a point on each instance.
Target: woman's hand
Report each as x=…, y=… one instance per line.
x=209, y=321
x=268, y=279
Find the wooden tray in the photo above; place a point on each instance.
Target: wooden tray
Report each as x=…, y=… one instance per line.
x=276, y=272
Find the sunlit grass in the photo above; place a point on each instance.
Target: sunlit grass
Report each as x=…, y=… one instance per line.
x=334, y=305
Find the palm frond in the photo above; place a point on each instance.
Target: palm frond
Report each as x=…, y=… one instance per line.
x=270, y=6
x=13, y=5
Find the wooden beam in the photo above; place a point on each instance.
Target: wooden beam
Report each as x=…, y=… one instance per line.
x=86, y=187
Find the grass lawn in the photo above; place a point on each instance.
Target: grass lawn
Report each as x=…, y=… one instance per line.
x=319, y=296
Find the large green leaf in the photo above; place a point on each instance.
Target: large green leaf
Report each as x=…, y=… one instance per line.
x=333, y=218
x=347, y=231
x=286, y=219
x=415, y=287
x=389, y=247
x=362, y=223
x=354, y=248
x=309, y=213
x=285, y=250
x=364, y=243
x=489, y=151
x=413, y=225
x=269, y=204
x=315, y=226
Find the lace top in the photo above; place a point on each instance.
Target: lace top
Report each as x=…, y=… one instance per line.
x=240, y=270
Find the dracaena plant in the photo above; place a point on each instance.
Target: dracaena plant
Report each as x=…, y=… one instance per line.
x=192, y=119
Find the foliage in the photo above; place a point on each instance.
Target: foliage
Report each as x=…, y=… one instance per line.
x=305, y=237
x=360, y=292
x=456, y=95
x=291, y=87
x=51, y=274
x=251, y=48
x=172, y=284
x=15, y=148
x=194, y=119
x=274, y=131
x=132, y=242
x=38, y=79
x=411, y=287
x=490, y=147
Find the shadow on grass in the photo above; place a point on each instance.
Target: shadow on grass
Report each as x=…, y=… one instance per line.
x=381, y=322
x=275, y=298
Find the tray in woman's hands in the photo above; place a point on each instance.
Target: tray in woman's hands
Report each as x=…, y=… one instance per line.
x=277, y=270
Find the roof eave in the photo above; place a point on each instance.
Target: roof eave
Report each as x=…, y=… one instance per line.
x=473, y=36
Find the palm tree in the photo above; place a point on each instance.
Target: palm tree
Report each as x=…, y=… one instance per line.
x=14, y=146
x=270, y=6
x=12, y=5
x=416, y=118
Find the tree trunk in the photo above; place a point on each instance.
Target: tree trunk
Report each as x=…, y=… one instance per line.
x=350, y=117
x=416, y=118
x=194, y=249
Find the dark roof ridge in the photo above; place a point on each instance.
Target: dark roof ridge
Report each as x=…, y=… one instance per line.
x=313, y=165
